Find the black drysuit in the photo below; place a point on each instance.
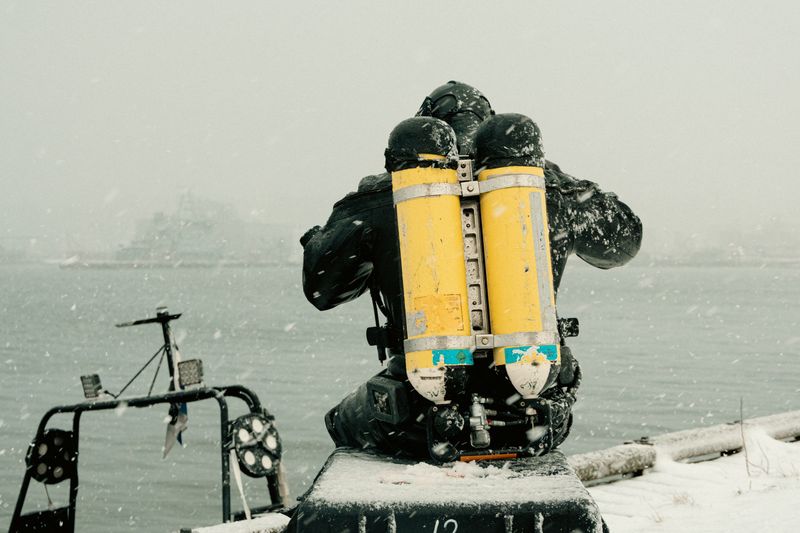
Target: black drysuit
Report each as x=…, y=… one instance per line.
x=358, y=248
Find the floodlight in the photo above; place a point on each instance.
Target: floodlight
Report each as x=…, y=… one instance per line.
x=190, y=372
x=257, y=444
x=91, y=386
x=51, y=457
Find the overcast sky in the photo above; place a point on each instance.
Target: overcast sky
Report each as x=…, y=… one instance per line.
x=108, y=110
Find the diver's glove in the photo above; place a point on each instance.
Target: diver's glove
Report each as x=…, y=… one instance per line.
x=560, y=399
x=568, y=370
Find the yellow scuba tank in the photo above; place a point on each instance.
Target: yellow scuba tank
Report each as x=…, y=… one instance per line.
x=519, y=277
x=438, y=345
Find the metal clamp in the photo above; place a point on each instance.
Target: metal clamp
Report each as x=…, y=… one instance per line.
x=470, y=188
x=464, y=169
x=484, y=342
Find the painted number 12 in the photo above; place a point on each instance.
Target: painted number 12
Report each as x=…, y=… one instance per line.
x=447, y=523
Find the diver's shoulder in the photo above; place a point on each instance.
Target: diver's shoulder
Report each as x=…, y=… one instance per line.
x=559, y=181
x=375, y=183
x=374, y=191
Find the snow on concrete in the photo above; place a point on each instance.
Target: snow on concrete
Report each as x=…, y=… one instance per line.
x=713, y=496
x=362, y=479
x=268, y=523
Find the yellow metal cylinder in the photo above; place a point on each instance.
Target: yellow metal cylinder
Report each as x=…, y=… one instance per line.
x=519, y=277
x=434, y=278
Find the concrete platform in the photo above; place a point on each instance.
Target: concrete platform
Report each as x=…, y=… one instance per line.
x=360, y=492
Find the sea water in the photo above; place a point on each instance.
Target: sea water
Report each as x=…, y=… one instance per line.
x=661, y=349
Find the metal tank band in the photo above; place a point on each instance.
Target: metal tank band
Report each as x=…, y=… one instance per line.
x=425, y=190
x=505, y=181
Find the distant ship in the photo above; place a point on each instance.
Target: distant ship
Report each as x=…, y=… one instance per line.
x=200, y=233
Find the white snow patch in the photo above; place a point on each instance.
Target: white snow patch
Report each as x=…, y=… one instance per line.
x=513, y=398
x=366, y=480
x=713, y=496
x=110, y=196
x=180, y=335
x=121, y=408
x=268, y=523
x=428, y=475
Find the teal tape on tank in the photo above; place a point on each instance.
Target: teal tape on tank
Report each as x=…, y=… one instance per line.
x=515, y=353
x=452, y=357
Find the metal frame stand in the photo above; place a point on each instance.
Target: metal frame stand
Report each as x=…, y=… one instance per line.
x=220, y=394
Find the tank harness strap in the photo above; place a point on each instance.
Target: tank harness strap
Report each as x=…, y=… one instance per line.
x=381, y=336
